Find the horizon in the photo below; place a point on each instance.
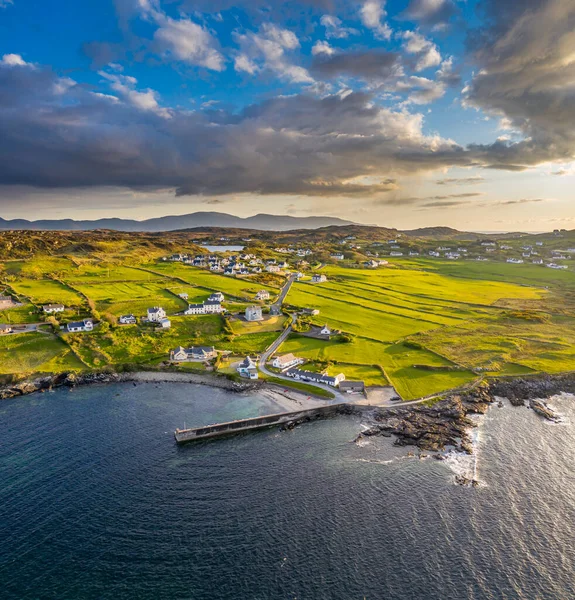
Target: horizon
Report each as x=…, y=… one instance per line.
x=401, y=113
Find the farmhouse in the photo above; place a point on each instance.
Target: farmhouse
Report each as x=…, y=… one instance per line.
x=318, y=278
x=85, y=325
x=156, y=314
x=4, y=329
x=352, y=387
x=263, y=295
x=209, y=307
x=254, y=313
x=53, y=308
x=286, y=361
x=273, y=269
x=247, y=368
x=195, y=353
x=315, y=377
x=127, y=320
x=5, y=302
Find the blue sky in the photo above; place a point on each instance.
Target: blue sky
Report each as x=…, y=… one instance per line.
x=402, y=113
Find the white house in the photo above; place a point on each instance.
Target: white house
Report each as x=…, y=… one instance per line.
x=209, y=307
x=53, y=308
x=318, y=278
x=315, y=377
x=263, y=295
x=286, y=361
x=217, y=297
x=165, y=323
x=127, y=320
x=156, y=314
x=85, y=325
x=6, y=301
x=5, y=329
x=247, y=368
x=326, y=330
x=337, y=256
x=254, y=313
x=183, y=295
x=273, y=269
x=195, y=309
x=195, y=353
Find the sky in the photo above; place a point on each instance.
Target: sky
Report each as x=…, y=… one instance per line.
x=399, y=113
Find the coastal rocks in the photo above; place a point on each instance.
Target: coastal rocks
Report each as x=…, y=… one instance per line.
x=433, y=428
x=519, y=390
x=543, y=410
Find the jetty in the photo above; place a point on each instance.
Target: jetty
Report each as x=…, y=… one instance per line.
x=286, y=419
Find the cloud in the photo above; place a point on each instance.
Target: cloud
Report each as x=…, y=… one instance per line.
x=427, y=53
x=372, y=12
x=526, y=73
x=321, y=47
x=6, y=3
x=474, y=180
x=266, y=50
x=369, y=65
x=431, y=12
x=14, y=60
x=334, y=28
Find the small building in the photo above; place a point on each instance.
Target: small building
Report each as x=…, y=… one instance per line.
x=273, y=269
x=286, y=361
x=6, y=302
x=263, y=295
x=352, y=387
x=85, y=325
x=248, y=368
x=183, y=295
x=325, y=330
x=156, y=314
x=318, y=278
x=53, y=308
x=315, y=377
x=195, y=353
x=337, y=256
x=127, y=320
x=4, y=329
x=165, y=323
x=213, y=307
x=254, y=313
x=216, y=297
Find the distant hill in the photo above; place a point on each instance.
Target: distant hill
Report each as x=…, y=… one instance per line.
x=262, y=222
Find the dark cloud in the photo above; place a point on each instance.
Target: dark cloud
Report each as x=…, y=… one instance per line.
x=369, y=64
x=430, y=12
x=526, y=73
x=475, y=180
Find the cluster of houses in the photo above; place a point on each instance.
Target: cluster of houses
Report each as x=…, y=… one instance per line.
x=242, y=264
x=211, y=306
x=193, y=354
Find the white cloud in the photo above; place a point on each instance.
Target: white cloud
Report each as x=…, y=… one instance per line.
x=335, y=29
x=372, y=12
x=145, y=101
x=323, y=48
x=428, y=54
x=14, y=60
x=266, y=50
x=5, y=3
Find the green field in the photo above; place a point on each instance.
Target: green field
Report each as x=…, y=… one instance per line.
x=30, y=352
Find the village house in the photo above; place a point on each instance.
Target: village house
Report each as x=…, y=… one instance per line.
x=337, y=256
x=216, y=297
x=53, y=308
x=247, y=368
x=352, y=387
x=273, y=269
x=371, y=264
x=209, y=307
x=325, y=330
x=286, y=361
x=195, y=353
x=6, y=302
x=5, y=329
x=318, y=278
x=263, y=295
x=254, y=313
x=310, y=311
x=85, y=325
x=156, y=314
x=127, y=320
x=315, y=377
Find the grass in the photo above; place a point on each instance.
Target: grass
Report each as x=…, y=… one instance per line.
x=47, y=291
x=302, y=387
x=26, y=313
x=242, y=327
x=29, y=352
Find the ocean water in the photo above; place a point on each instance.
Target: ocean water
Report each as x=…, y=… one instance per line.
x=97, y=502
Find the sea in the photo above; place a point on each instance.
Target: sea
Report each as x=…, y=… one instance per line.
x=98, y=502
x=223, y=248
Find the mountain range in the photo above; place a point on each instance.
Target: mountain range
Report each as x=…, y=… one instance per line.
x=172, y=223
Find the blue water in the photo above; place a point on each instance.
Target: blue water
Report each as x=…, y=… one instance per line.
x=97, y=502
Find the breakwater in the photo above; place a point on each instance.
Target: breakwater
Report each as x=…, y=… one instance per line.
x=286, y=419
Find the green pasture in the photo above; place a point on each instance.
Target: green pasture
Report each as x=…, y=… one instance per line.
x=241, y=327
x=29, y=352
x=26, y=313
x=47, y=291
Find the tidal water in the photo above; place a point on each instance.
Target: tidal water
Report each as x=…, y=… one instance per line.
x=97, y=502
